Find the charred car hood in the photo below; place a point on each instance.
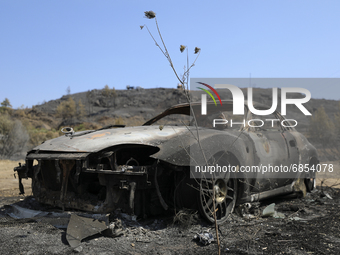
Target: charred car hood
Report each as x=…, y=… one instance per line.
x=98, y=140
x=175, y=143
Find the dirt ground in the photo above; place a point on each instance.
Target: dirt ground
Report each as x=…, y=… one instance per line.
x=310, y=226
x=9, y=182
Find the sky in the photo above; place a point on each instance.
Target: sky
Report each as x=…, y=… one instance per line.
x=48, y=46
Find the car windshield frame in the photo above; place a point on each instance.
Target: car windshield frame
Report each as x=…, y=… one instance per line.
x=195, y=107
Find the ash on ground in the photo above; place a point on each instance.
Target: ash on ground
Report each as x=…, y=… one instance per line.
x=307, y=225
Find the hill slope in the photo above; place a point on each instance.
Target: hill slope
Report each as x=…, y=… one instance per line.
x=133, y=107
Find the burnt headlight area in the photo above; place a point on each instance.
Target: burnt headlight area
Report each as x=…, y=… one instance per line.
x=129, y=160
x=60, y=182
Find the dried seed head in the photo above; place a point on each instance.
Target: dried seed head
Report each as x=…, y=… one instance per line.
x=182, y=48
x=197, y=50
x=150, y=14
x=141, y=27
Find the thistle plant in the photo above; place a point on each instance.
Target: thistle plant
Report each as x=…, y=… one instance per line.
x=185, y=77
x=185, y=84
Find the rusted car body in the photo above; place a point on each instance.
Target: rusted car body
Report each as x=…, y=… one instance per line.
x=147, y=170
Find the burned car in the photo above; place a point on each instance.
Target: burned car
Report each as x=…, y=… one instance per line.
x=159, y=166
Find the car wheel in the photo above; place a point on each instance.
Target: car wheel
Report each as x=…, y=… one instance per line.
x=225, y=191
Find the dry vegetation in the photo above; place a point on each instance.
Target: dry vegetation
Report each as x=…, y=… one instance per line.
x=22, y=129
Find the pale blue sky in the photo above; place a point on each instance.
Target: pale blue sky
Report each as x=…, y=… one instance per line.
x=47, y=46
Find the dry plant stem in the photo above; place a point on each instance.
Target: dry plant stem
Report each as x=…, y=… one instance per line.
x=206, y=162
x=213, y=180
x=167, y=53
x=215, y=219
x=193, y=63
x=186, y=92
x=196, y=127
x=186, y=73
x=160, y=35
x=155, y=41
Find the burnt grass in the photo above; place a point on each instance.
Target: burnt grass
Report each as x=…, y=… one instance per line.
x=310, y=226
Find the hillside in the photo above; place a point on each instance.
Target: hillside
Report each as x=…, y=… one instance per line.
x=127, y=104
x=146, y=103
x=98, y=108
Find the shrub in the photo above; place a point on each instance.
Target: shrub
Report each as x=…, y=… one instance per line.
x=67, y=109
x=81, y=112
x=6, y=106
x=13, y=137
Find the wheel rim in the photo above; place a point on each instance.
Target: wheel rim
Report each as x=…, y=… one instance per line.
x=225, y=198
x=220, y=191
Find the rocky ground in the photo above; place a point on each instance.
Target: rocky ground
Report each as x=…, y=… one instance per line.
x=300, y=226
